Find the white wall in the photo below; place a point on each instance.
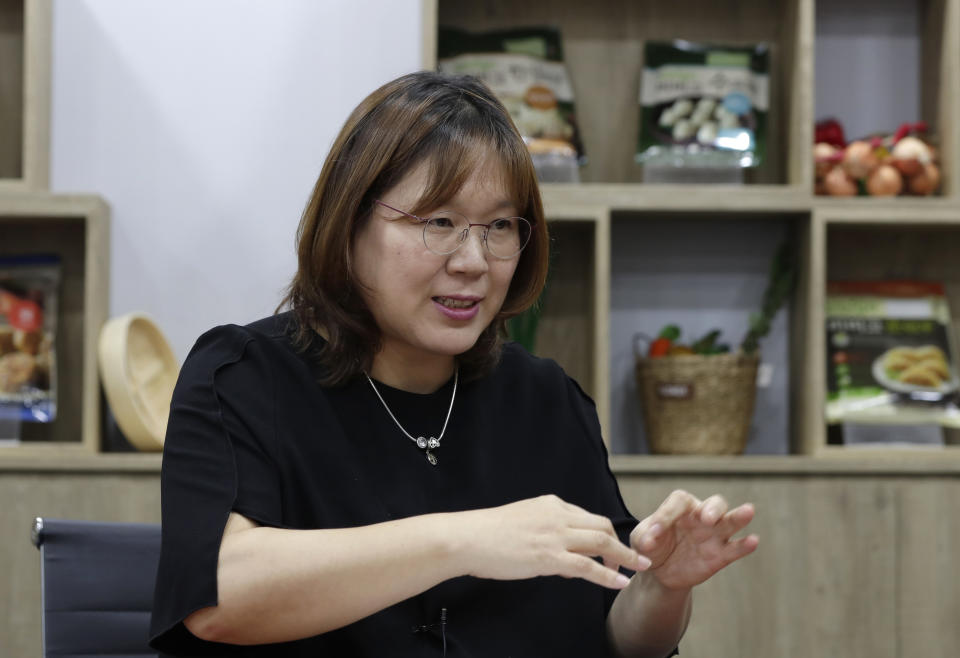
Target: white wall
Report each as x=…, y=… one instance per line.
x=204, y=125
x=868, y=50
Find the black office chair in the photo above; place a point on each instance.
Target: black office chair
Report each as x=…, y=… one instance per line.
x=97, y=584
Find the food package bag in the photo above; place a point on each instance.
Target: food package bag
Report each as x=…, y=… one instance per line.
x=703, y=106
x=29, y=286
x=524, y=68
x=890, y=356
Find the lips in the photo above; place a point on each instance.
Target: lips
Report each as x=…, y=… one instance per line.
x=457, y=302
x=457, y=308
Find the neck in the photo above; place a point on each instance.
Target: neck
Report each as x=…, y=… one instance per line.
x=415, y=375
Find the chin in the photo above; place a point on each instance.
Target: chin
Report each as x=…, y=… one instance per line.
x=455, y=346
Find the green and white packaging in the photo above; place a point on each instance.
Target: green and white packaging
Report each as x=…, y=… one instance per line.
x=703, y=105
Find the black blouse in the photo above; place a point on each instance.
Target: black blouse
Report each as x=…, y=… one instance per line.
x=251, y=431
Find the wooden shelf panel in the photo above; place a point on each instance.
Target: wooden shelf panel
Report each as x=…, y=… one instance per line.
x=830, y=462
x=573, y=328
x=706, y=198
x=25, y=54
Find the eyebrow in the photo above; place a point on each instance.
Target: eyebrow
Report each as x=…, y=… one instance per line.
x=503, y=204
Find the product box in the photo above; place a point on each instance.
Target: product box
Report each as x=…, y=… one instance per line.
x=890, y=361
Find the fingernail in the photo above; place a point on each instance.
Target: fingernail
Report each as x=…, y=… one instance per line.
x=622, y=581
x=643, y=562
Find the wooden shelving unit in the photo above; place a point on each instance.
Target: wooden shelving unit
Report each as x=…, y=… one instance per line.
x=32, y=221
x=24, y=94
x=603, y=48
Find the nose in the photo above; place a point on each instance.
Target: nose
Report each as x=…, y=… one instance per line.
x=471, y=256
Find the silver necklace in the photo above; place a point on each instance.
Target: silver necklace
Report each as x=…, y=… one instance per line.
x=424, y=443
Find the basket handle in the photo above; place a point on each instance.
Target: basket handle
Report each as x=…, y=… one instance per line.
x=641, y=344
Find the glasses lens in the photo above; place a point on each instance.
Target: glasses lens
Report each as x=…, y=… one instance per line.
x=443, y=232
x=508, y=236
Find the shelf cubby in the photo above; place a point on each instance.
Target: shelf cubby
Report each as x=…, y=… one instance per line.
x=867, y=244
x=76, y=229
x=880, y=64
x=25, y=54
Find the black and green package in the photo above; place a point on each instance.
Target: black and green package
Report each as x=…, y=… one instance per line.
x=524, y=68
x=889, y=354
x=703, y=105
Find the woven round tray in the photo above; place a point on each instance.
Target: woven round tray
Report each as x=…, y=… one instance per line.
x=139, y=371
x=697, y=405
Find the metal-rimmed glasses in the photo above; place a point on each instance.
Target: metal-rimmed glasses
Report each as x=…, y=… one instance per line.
x=446, y=231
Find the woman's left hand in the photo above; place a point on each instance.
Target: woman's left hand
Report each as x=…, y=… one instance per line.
x=689, y=540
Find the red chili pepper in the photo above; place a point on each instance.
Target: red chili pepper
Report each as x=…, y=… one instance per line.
x=659, y=347
x=902, y=132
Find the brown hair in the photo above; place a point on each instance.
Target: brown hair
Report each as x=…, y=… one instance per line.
x=450, y=122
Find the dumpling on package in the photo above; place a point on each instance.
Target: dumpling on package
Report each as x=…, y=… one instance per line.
x=920, y=375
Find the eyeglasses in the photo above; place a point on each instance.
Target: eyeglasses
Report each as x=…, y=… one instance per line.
x=446, y=232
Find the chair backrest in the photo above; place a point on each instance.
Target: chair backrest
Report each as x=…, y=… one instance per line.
x=97, y=583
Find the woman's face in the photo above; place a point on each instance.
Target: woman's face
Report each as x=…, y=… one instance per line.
x=425, y=304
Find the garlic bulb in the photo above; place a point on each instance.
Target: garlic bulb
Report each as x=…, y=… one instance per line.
x=910, y=154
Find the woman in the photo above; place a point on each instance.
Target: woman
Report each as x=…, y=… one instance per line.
x=374, y=472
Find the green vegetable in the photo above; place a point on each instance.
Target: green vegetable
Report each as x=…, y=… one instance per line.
x=779, y=287
x=706, y=344
x=671, y=332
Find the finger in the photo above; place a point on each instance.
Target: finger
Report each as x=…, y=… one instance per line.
x=735, y=521
x=613, y=552
x=712, y=509
x=739, y=548
x=581, y=518
x=675, y=505
x=574, y=565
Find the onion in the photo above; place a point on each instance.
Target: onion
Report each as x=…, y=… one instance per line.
x=885, y=181
x=859, y=159
x=838, y=183
x=926, y=181
x=910, y=154
x=825, y=156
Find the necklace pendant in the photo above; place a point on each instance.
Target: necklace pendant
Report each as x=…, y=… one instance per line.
x=421, y=443
x=432, y=458
x=433, y=443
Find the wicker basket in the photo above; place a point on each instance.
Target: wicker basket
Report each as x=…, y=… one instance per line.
x=697, y=405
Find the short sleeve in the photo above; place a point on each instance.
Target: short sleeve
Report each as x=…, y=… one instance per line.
x=219, y=456
x=614, y=507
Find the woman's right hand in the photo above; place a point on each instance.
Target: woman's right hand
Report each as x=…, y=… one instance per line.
x=545, y=536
